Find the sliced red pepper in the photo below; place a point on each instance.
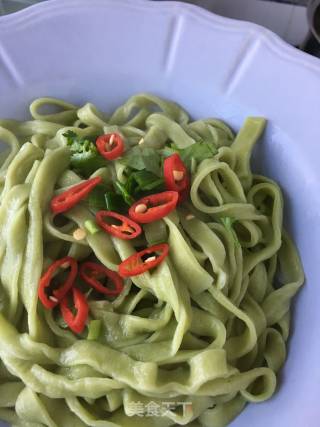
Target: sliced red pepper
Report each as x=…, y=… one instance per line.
x=91, y=272
x=176, y=176
x=68, y=199
x=50, y=301
x=127, y=230
x=76, y=322
x=138, y=263
x=154, y=207
x=183, y=195
x=110, y=146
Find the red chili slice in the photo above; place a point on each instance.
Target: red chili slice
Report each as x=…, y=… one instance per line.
x=76, y=322
x=137, y=264
x=183, y=195
x=91, y=272
x=154, y=207
x=68, y=199
x=50, y=301
x=110, y=146
x=127, y=230
x=175, y=174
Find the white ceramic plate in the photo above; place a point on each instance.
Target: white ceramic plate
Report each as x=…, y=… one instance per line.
x=107, y=50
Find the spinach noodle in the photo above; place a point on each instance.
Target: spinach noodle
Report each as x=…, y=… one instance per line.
x=208, y=327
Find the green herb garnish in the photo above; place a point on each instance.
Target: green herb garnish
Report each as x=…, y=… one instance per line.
x=96, y=198
x=122, y=190
x=146, y=181
x=131, y=183
x=84, y=154
x=146, y=158
x=198, y=151
x=114, y=202
x=195, y=153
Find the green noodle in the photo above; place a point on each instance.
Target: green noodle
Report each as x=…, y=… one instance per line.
x=205, y=331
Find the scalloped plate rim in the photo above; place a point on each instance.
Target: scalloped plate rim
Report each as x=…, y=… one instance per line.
x=40, y=9
x=278, y=48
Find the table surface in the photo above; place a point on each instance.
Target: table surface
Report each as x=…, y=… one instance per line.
x=9, y=6
x=297, y=2
x=287, y=18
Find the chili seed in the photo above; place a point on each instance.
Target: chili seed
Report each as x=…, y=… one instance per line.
x=129, y=230
x=142, y=208
x=178, y=175
x=150, y=259
x=123, y=229
x=79, y=234
x=65, y=265
x=141, y=141
x=189, y=216
x=53, y=299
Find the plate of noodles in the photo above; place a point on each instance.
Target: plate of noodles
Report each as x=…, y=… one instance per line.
x=158, y=219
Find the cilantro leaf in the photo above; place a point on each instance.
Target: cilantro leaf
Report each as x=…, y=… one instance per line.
x=84, y=154
x=152, y=160
x=147, y=181
x=96, y=198
x=147, y=158
x=133, y=159
x=131, y=183
x=100, y=198
x=122, y=190
x=199, y=151
x=114, y=202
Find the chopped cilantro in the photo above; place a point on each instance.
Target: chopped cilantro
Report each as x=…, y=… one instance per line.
x=114, y=202
x=96, y=198
x=147, y=158
x=147, y=181
x=198, y=151
x=122, y=190
x=84, y=154
x=195, y=153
